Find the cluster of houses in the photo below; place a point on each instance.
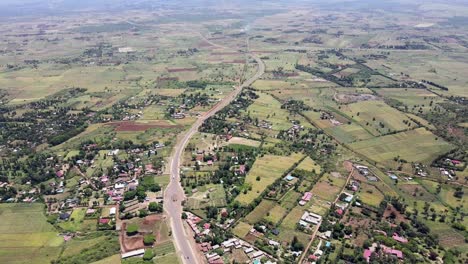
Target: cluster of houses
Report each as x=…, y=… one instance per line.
x=449, y=174
x=211, y=251
x=265, y=124
x=294, y=131
x=364, y=171
x=384, y=250
x=203, y=158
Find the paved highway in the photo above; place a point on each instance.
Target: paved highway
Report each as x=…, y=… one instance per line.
x=174, y=193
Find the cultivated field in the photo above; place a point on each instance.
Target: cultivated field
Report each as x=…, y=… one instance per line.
x=26, y=236
x=418, y=145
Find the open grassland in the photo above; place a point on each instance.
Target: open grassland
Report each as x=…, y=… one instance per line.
x=268, y=168
x=376, y=117
x=25, y=235
x=417, y=145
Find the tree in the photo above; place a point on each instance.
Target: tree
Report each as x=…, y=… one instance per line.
x=132, y=229
x=149, y=239
x=296, y=245
x=155, y=207
x=143, y=213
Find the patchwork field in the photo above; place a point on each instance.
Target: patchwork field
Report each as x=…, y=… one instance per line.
x=418, y=145
x=25, y=235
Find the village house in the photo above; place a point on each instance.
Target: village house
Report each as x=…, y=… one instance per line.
x=310, y=218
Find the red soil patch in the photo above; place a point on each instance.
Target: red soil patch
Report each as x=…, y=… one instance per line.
x=131, y=126
x=182, y=69
x=133, y=243
x=399, y=217
x=348, y=165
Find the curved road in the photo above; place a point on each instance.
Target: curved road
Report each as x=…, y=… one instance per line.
x=174, y=194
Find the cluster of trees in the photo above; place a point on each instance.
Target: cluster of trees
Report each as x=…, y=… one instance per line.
x=218, y=124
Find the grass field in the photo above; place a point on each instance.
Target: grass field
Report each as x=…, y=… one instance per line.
x=290, y=221
x=115, y=259
x=275, y=214
x=269, y=168
x=260, y=211
x=348, y=133
x=372, y=115
x=328, y=187
x=370, y=195
x=164, y=249
x=25, y=236
x=75, y=246
x=417, y=98
x=241, y=229
x=289, y=200
x=75, y=221
x=418, y=145
x=309, y=165
x=204, y=197
x=268, y=108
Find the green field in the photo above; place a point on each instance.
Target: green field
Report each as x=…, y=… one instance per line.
x=75, y=222
x=309, y=165
x=418, y=145
x=241, y=229
x=25, y=236
x=269, y=168
x=348, y=133
x=260, y=211
x=268, y=108
x=376, y=117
